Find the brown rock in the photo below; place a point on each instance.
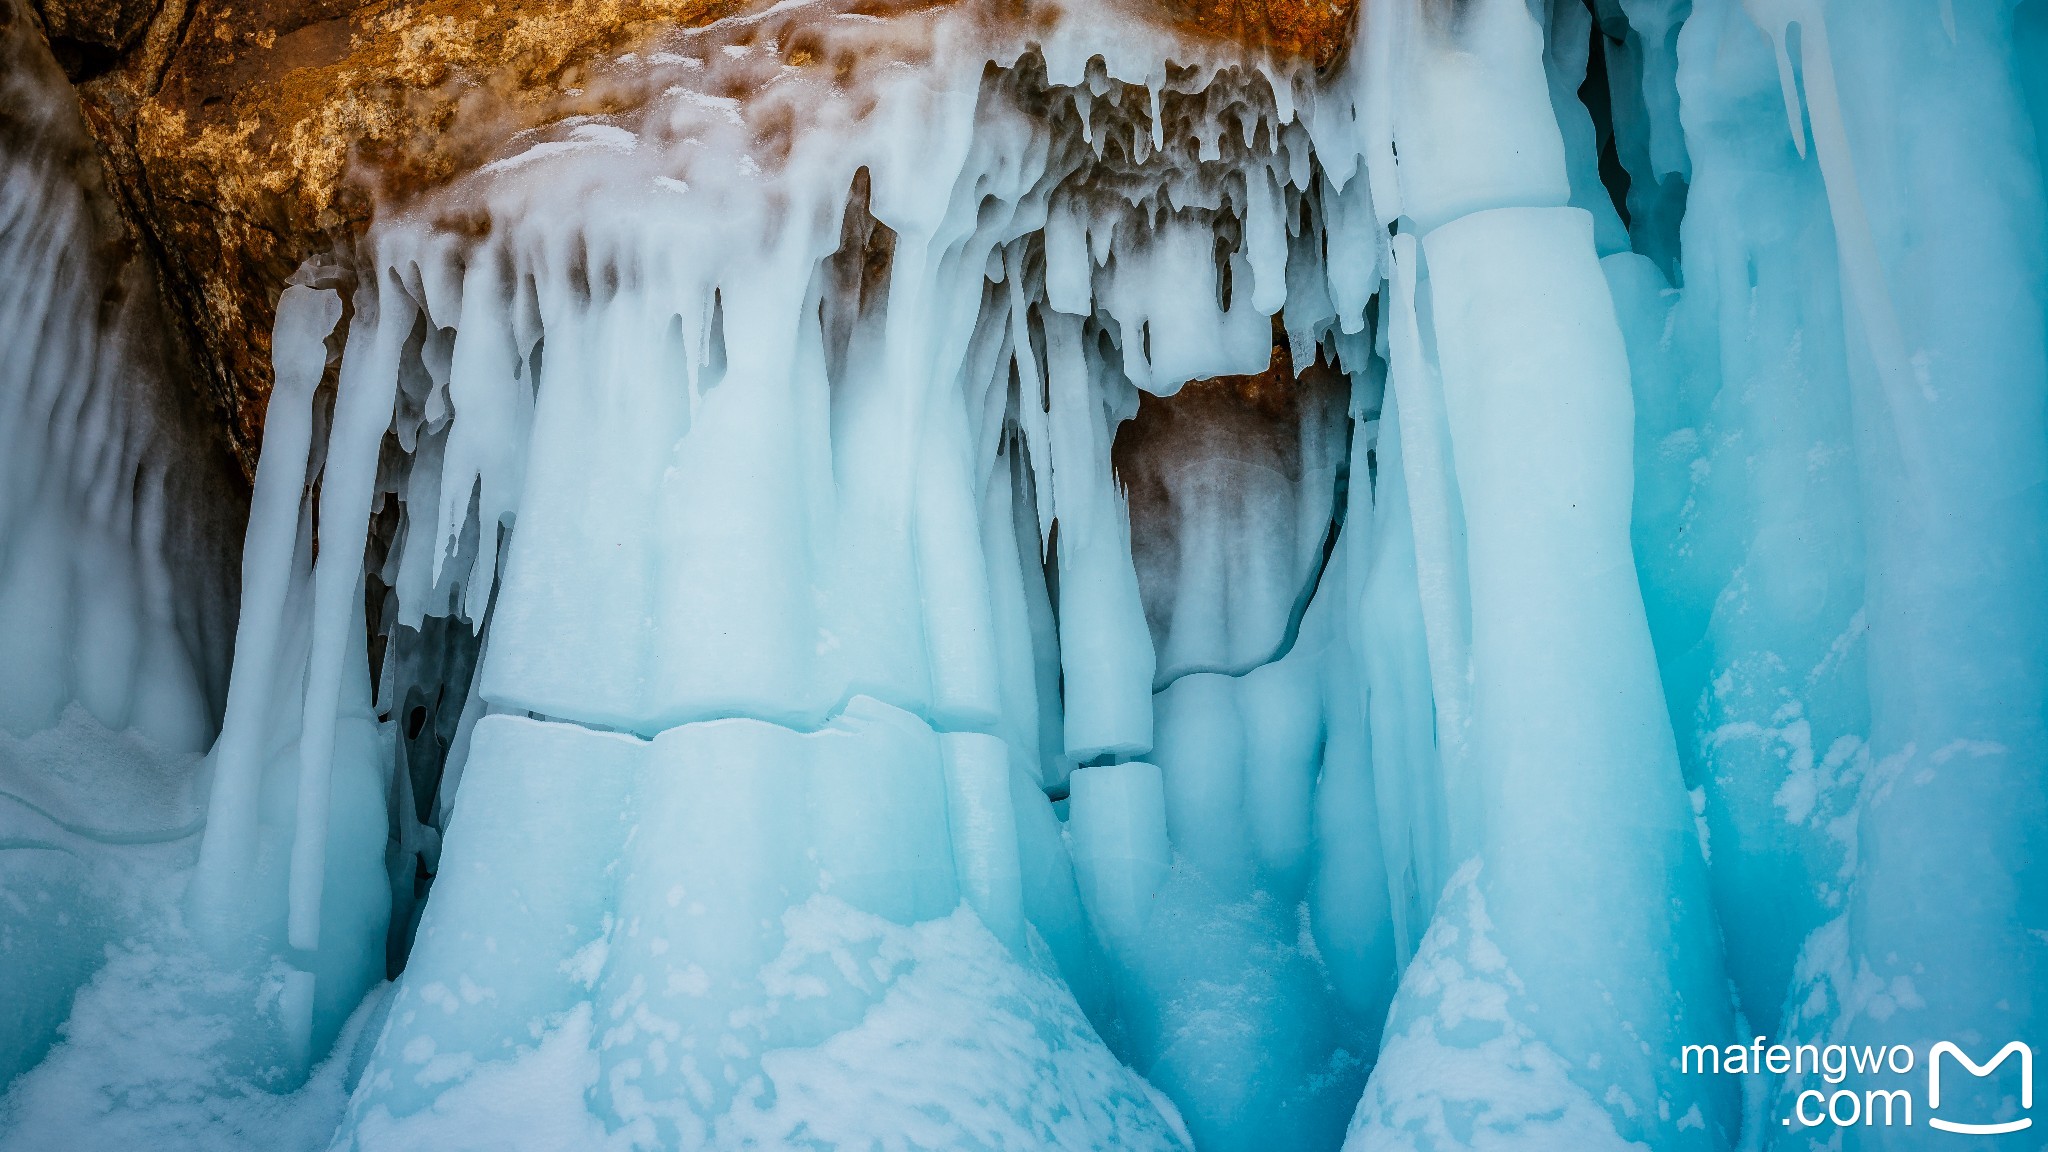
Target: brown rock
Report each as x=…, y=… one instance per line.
x=85, y=32
x=1318, y=31
x=244, y=136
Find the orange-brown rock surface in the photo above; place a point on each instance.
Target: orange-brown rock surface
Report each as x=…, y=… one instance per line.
x=243, y=136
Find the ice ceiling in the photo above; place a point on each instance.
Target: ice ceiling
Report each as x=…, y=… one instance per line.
x=992, y=577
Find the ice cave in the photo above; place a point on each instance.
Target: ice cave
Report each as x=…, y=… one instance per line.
x=1294, y=575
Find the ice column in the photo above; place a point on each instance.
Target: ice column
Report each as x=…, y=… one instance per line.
x=292, y=865
x=1575, y=825
x=1749, y=520
x=1933, y=188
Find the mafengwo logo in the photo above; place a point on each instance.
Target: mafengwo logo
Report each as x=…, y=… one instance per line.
x=1947, y=1065
x=1945, y=1048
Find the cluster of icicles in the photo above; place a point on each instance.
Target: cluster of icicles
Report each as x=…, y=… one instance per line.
x=723, y=495
x=757, y=459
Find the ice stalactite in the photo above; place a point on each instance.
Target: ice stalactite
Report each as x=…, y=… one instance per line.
x=785, y=424
x=896, y=390
x=782, y=482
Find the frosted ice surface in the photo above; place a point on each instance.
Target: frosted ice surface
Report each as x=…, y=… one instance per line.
x=632, y=948
x=1462, y=1066
x=964, y=1047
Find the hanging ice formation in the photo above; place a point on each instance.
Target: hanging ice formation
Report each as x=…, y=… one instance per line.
x=961, y=578
x=116, y=518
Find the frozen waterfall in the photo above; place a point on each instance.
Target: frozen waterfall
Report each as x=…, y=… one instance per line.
x=996, y=576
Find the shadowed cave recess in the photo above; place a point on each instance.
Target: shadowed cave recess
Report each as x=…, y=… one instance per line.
x=1028, y=575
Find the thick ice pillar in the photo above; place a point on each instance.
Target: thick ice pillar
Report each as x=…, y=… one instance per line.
x=1573, y=950
x=739, y=933
x=1933, y=181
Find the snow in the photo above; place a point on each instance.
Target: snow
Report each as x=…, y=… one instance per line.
x=89, y=821
x=1463, y=1067
x=149, y=1059
x=963, y=1047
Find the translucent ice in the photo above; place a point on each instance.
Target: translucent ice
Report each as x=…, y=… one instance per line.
x=116, y=521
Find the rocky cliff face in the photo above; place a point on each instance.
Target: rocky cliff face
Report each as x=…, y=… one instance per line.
x=242, y=136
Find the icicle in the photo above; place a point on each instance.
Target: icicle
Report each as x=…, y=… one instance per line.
x=1408, y=777
x=305, y=316
x=1436, y=513
x=1863, y=272
x=484, y=456
x=384, y=318
x=1067, y=287
x=1106, y=649
x=1265, y=244
x=1354, y=239
x=1774, y=16
x=1158, y=122
x=1032, y=396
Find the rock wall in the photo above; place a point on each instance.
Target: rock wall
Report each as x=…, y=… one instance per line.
x=243, y=136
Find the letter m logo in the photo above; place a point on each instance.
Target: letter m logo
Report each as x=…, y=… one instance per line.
x=2026, y=1086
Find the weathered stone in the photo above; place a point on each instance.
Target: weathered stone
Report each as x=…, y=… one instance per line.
x=1318, y=31
x=246, y=136
x=243, y=136
x=87, y=33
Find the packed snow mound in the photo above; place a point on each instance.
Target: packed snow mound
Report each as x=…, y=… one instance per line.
x=1462, y=1068
x=962, y=1046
